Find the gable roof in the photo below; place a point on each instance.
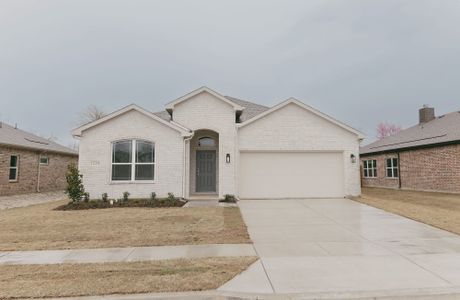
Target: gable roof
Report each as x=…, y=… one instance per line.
x=250, y=110
x=78, y=131
x=306, y=107
x=170, y=105
x=441, y=130
x=15, y=137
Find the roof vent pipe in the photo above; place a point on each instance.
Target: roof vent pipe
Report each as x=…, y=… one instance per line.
x=426, y=114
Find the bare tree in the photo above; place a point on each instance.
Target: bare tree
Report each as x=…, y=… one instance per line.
x=91, y=113
x=385, y=129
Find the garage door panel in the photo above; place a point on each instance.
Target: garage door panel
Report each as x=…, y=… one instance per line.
x=291, y=175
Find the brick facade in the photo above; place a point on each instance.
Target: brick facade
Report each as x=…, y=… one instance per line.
x=427, y=169
x=52, y=176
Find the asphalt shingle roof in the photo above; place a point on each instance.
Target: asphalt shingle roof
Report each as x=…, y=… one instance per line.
x=442, y=129
x=250, y=109
x=15, y=137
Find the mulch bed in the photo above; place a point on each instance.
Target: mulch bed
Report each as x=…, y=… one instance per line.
x=95, y=204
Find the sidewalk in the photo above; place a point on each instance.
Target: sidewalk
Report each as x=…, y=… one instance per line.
x=125, y=254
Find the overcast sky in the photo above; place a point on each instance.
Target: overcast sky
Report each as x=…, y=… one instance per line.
x=361, y=62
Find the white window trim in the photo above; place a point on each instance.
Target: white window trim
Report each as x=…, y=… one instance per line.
x=392, y=167
x=40, y=160
x=367, y=168
x=16, y=168
x=133, y=162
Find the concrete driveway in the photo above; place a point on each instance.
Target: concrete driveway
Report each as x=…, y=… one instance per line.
x=338, y=245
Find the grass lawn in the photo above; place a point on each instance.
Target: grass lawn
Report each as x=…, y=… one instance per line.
x=37, y=281
x=40, y=227
x=441, y=210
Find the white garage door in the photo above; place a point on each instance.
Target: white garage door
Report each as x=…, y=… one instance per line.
x=290, y=175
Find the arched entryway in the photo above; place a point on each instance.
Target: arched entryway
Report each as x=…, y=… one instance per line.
x=204, y=162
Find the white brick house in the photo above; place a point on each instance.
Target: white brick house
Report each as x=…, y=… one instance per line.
x=206, y=144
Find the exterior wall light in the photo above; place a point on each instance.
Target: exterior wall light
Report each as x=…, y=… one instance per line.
x=227, y=158
x=353, y=158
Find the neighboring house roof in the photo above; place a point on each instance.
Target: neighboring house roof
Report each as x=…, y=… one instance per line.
x=184, y=131
x=170, y=105
x=15, y=137
x=443, y=129
x=306, y=107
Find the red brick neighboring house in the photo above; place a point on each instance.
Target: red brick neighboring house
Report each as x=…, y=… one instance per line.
x=29, y=163
x=424, y=157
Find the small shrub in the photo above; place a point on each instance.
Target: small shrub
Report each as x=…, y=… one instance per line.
x=126, y=196
x=171, y=197
x=105, y=197
x=153, y=196
x=75, y=189
x=86, y=197
x=229, y=198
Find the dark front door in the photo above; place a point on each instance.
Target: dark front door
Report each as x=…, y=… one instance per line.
x=205, y=170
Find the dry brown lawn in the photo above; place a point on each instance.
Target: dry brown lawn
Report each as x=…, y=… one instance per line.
x=441, y=210
x=40, y=227
x=39, y=281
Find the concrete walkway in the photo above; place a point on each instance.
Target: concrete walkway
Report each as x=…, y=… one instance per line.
x=338, y=245
x=30, y=199
x=125, y=254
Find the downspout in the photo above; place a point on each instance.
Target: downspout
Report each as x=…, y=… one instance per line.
x=184, y=175
x=38, y=173
x=399, y=170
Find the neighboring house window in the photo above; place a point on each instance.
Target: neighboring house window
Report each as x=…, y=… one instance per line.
x=133, y=160
x=14, y=163
x=392, y=168
x=370, y=168
x=206, y=142
x=44, y=160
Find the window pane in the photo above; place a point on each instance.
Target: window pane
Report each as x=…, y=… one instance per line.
x=13, y=173
x=366, y=164
x=122, y=152
x=395, y=172
x=145, y=152
x=13, y=161
x=144, y=172
x=395, y=162
x=388, y=162
x=44, y=160
x=206, y=141
x=121, y=172
x=374, y=163
x=365, y=172
x=389, y=173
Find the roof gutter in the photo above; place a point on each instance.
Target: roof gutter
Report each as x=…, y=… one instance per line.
x=39, y=149
x=455, y=142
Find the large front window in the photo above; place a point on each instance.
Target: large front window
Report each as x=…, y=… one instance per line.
x=133, y=160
